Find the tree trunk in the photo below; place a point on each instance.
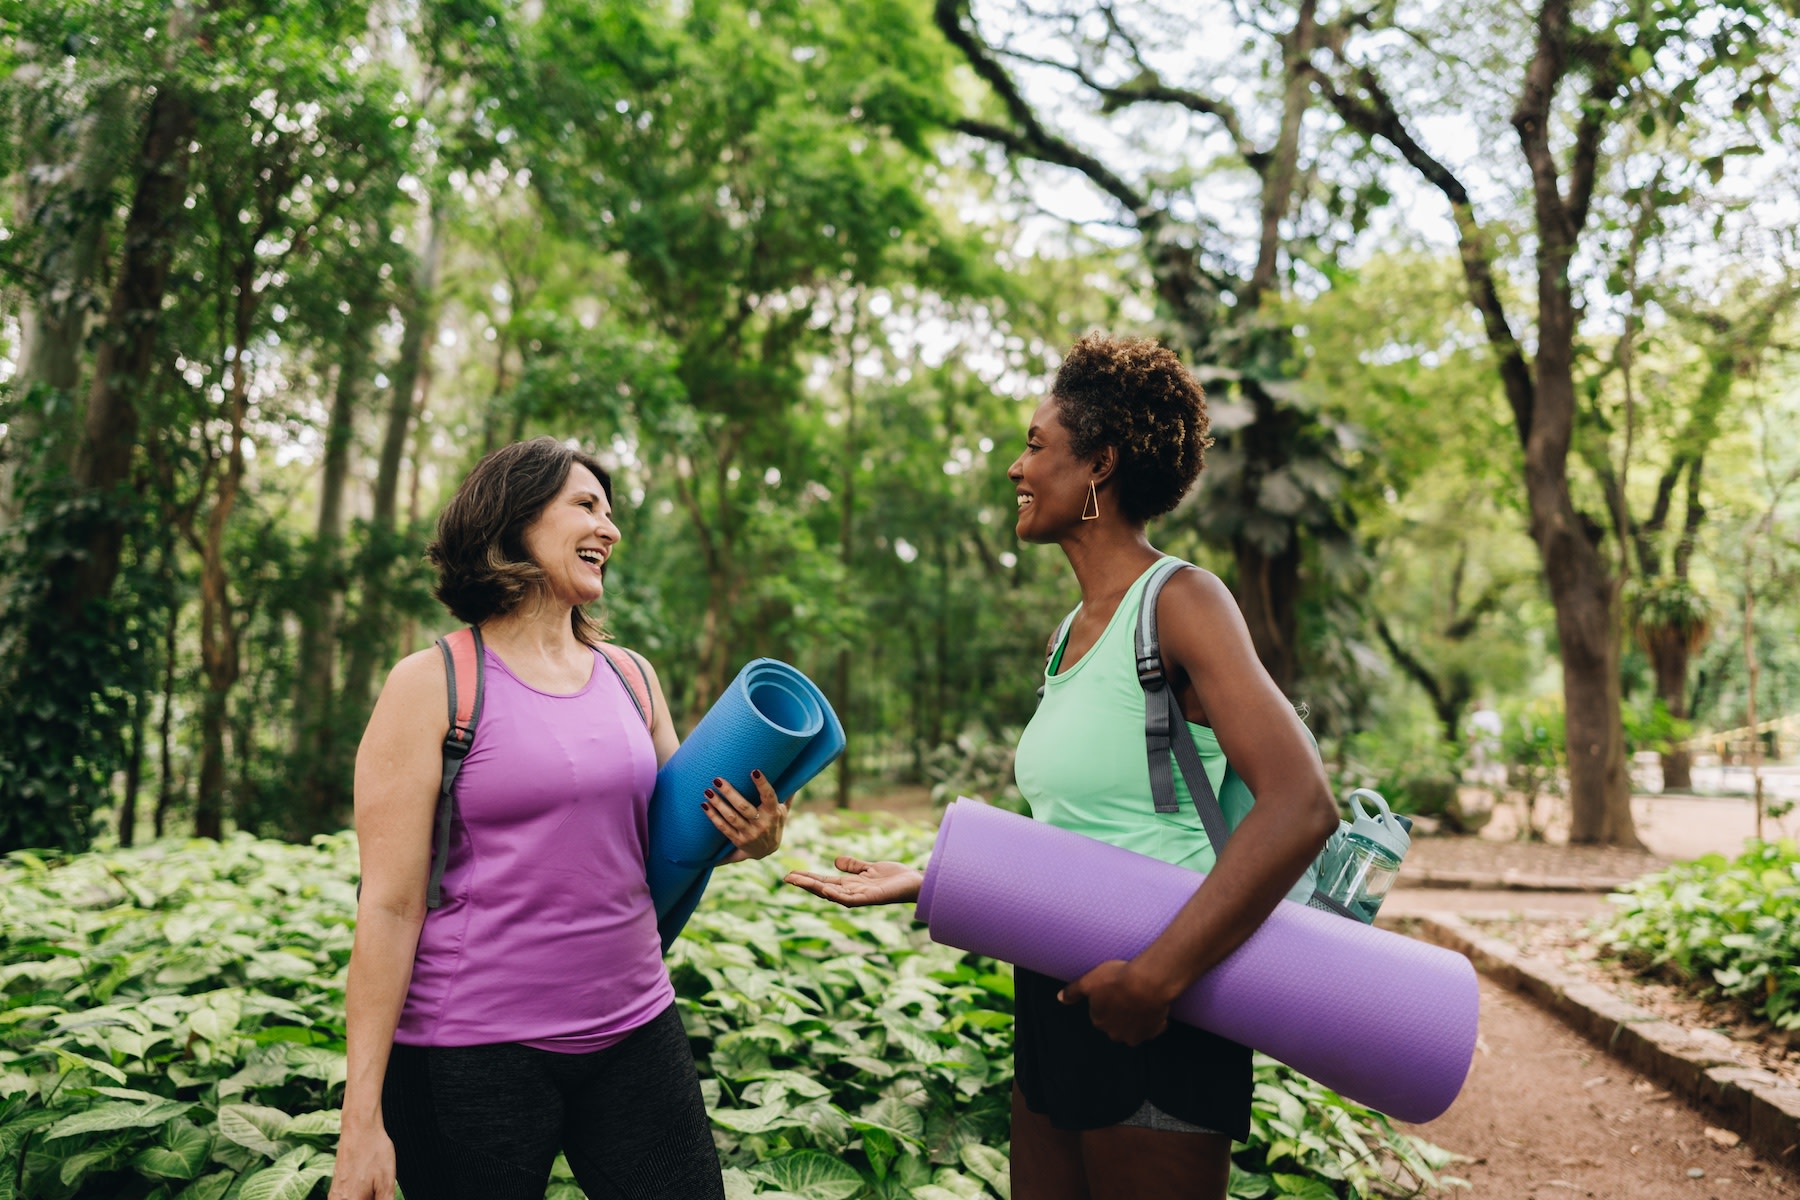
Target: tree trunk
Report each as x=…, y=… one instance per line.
x=165, y=726
x=323, y=797
x=1268, y=586
x=218, y=634
x=846, y=556
x=71, y=226
x=125, y=357
x=1585, y=597
x=370, y=644
x=134, y=768
x=1669, y=656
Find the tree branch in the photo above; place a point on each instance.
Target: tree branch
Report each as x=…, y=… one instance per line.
x=1028, y=137
x=1374, y=115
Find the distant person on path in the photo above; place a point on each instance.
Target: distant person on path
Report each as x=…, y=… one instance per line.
x=1111, y=1100
x=531, y=1013
x=1485, y=727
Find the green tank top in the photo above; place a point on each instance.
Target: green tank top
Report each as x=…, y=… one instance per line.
x=1081, y=763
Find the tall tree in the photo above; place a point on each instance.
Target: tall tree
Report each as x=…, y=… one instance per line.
x=1274, y=485
x=1597, y=83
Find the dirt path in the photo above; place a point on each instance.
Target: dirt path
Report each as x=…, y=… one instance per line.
x=1546, y=1115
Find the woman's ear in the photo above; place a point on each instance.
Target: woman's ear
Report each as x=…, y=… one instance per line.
x=1105, y=463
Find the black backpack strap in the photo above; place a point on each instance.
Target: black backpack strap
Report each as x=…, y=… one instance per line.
x=464, y=671
x=1165, y=728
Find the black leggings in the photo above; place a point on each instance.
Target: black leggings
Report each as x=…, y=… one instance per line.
x=485, y=1122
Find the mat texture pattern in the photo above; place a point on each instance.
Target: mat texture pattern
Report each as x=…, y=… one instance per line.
x=1380, y=1018
x=773, y=719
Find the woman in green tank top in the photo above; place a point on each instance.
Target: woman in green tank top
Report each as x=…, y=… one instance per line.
x=1111, y=1100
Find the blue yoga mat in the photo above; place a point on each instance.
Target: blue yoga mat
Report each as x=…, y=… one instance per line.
x=773, y=719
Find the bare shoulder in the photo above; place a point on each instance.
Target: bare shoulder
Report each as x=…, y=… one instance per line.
x=1195, y=597
x=417, y=686
x=422, y=670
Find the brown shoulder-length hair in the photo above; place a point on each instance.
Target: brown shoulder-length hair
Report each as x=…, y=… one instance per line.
x=482, y=568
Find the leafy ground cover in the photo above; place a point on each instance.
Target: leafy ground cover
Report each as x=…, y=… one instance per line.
x=171, y=1028
x=1715, y=923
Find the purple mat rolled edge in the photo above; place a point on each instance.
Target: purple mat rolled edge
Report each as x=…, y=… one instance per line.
x=1383, y=1019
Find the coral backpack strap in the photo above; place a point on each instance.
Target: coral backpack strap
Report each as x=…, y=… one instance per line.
x=634, y=673
x=464, y=669
x=1165, y=728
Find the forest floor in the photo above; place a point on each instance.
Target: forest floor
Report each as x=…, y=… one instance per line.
x=1547, y=1114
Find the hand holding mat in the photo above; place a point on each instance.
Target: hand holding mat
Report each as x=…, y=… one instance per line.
x=1383, y=1019
x=773, y=719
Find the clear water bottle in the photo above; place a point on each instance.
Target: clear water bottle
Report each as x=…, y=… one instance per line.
x=1362, y=858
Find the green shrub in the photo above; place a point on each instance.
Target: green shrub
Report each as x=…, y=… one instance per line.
x=1733, y=926
x=171, y=1028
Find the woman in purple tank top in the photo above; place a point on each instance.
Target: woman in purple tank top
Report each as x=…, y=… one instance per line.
x=530, y=1012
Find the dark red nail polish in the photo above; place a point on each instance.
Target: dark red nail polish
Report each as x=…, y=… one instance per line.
x=756, y=774
x=709, y=793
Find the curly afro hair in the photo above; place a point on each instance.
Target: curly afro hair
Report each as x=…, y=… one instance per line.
x=1135, y=396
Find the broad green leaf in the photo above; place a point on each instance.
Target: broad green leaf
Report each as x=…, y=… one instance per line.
x=219, y=1019
x=812, y=1174
x=1301, y=1187
x=211, y=1188
x=738, y=1185
x=991, y=1167
x=895, y=1116
x=290, y=1177
x=316, y=1062
x=254, y=1127
x=755, y=1120
x=72, y=1061
x=323, y=1123
x=120, y=1115
x=180, y=1154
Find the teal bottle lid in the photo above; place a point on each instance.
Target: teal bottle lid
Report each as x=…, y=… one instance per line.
x=1381, y=826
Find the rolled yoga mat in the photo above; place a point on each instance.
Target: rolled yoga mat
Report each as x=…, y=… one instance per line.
x=1383, y=1019
x=773, y=719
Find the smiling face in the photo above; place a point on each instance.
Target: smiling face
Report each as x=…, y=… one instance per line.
x=1050, y=482
x=572, y=538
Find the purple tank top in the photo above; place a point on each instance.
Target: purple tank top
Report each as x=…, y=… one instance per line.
x=547, y=935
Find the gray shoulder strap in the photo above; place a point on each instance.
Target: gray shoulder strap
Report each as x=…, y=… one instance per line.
x=1056, y=639
x=1165, y=728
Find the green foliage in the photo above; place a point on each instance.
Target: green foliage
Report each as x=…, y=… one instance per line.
x=1731, y=926
x=1653, y=728
x=174, y=1018
x=978, y=765
x=171, y=1028
x=1533, y=747
x=1414, y=774
x=70, y=685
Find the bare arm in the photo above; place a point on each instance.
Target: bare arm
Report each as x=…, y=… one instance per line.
x=398, y=768
x=1220, y=682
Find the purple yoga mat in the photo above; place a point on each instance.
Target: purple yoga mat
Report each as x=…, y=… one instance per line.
x=1382, y=1019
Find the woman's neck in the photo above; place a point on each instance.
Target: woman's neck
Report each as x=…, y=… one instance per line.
x=1107, y=561
x=540, y=630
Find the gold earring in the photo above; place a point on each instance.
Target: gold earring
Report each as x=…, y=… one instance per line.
x=1092, y=511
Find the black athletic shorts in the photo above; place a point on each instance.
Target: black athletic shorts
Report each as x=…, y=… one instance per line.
x=1081, y=1079
x=485, y=1122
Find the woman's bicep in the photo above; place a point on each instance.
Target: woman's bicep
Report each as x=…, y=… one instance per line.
x=1204, y=635
x=399, y=766
x=662, y=726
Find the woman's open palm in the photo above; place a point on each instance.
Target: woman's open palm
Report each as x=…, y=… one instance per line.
x=862, y=883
